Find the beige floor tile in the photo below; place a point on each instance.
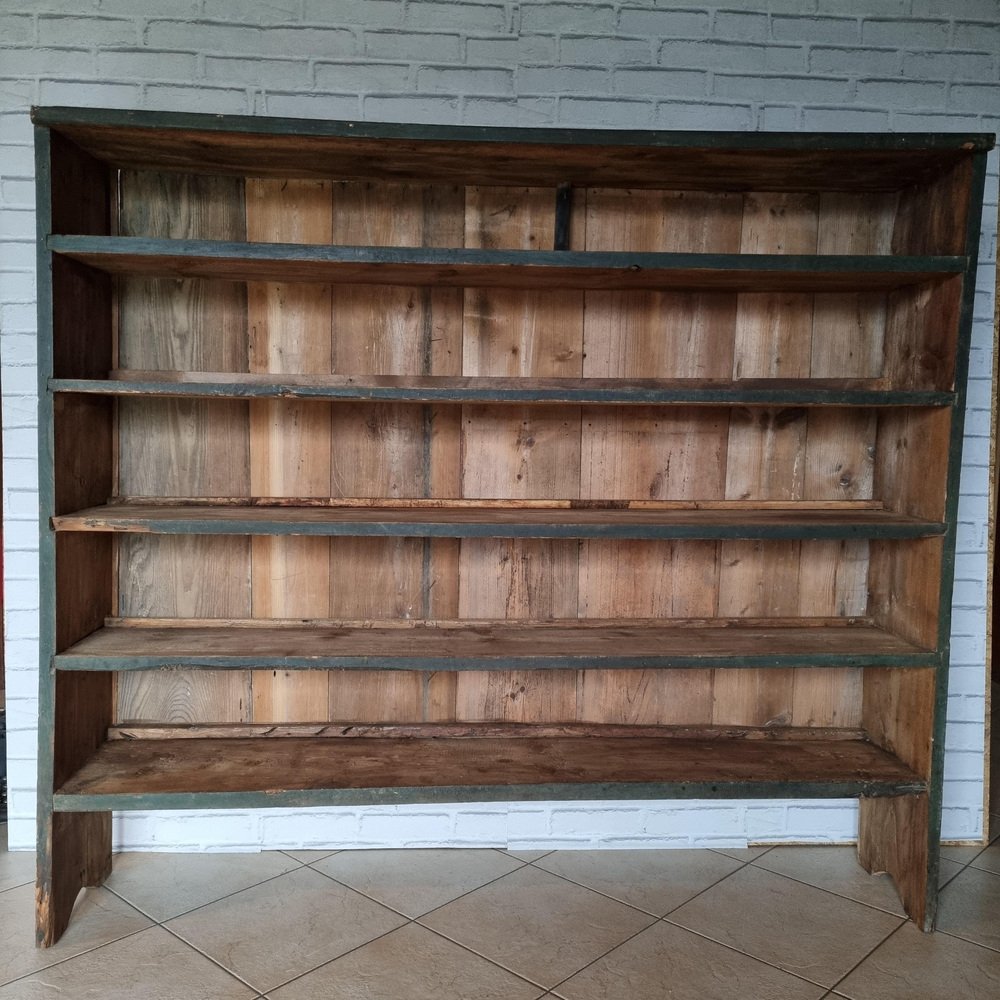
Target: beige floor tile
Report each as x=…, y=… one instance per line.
x=151, y=965
x=167, y=885
x=655, y=881
x=807, y=931
x=962, y=853
x=416, y=881
x=527, y=855
x=537, y=925
x=835, y=869
x=969, y=907
x=912, y=965
x=665, y=961
x=271, y=933
x=410, y=963
x=16, y=869
x=989, y=860
x=947, y=870
x=98, y=918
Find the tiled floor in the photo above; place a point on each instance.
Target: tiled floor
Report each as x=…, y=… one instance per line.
x=786, y=923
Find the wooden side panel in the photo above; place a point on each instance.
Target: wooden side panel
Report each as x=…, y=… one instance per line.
x=911, y=467
x=892, y=837
x=921, y=335
x=75, y=712
x=932, y=218
x=290, y=440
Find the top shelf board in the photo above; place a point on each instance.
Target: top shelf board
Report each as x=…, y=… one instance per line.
x=733, y=161
x=501, y=268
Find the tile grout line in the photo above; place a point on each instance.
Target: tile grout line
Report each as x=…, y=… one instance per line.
x=868, y=955
x=201, y=906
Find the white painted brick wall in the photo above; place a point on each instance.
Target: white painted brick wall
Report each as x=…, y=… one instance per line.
x=740, y=64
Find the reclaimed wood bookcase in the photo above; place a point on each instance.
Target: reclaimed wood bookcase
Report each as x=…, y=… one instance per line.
x=391, y=463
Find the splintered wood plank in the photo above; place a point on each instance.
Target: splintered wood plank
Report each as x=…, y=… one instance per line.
x=519, y=451
x=183, y=447
x=675, y=454
x=290, y=440
x=893, y=838
x=528, y=768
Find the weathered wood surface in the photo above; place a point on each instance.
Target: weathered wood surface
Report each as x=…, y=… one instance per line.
x=362, y=151
x=487, y=268
x=516, y=390
x=246, y=765
x=290, y=440
x=529, y=522
x=893, y=837
x=480, y=643
x=479, y=730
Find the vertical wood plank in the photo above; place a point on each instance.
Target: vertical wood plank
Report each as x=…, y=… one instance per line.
x=178, y=576
x=183, y=447
x=652, y=453
x=514, y=451
x=290, y=440
x=395, y=450
x=766, y=454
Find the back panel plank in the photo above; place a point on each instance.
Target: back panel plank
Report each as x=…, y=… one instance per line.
x=654, y=454
x=394, y=450
x=290, y=440
x=513, y=451
x=183, y=447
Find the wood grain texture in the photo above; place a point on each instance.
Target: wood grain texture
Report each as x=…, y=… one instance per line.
x=190, y=578
x=892, y=837
x=519, y=451
x=183, y=447
x=709, y=161
x=394, y=450
x=165, y=766
x=290, y=440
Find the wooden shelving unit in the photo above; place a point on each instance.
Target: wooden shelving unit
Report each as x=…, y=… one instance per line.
x=408, y=464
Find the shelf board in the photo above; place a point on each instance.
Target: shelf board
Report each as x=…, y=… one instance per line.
x=448, y=389
x=594, y=271
x=717, y=160
x=294, y=771
x=519, y=522
x=472, y=645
